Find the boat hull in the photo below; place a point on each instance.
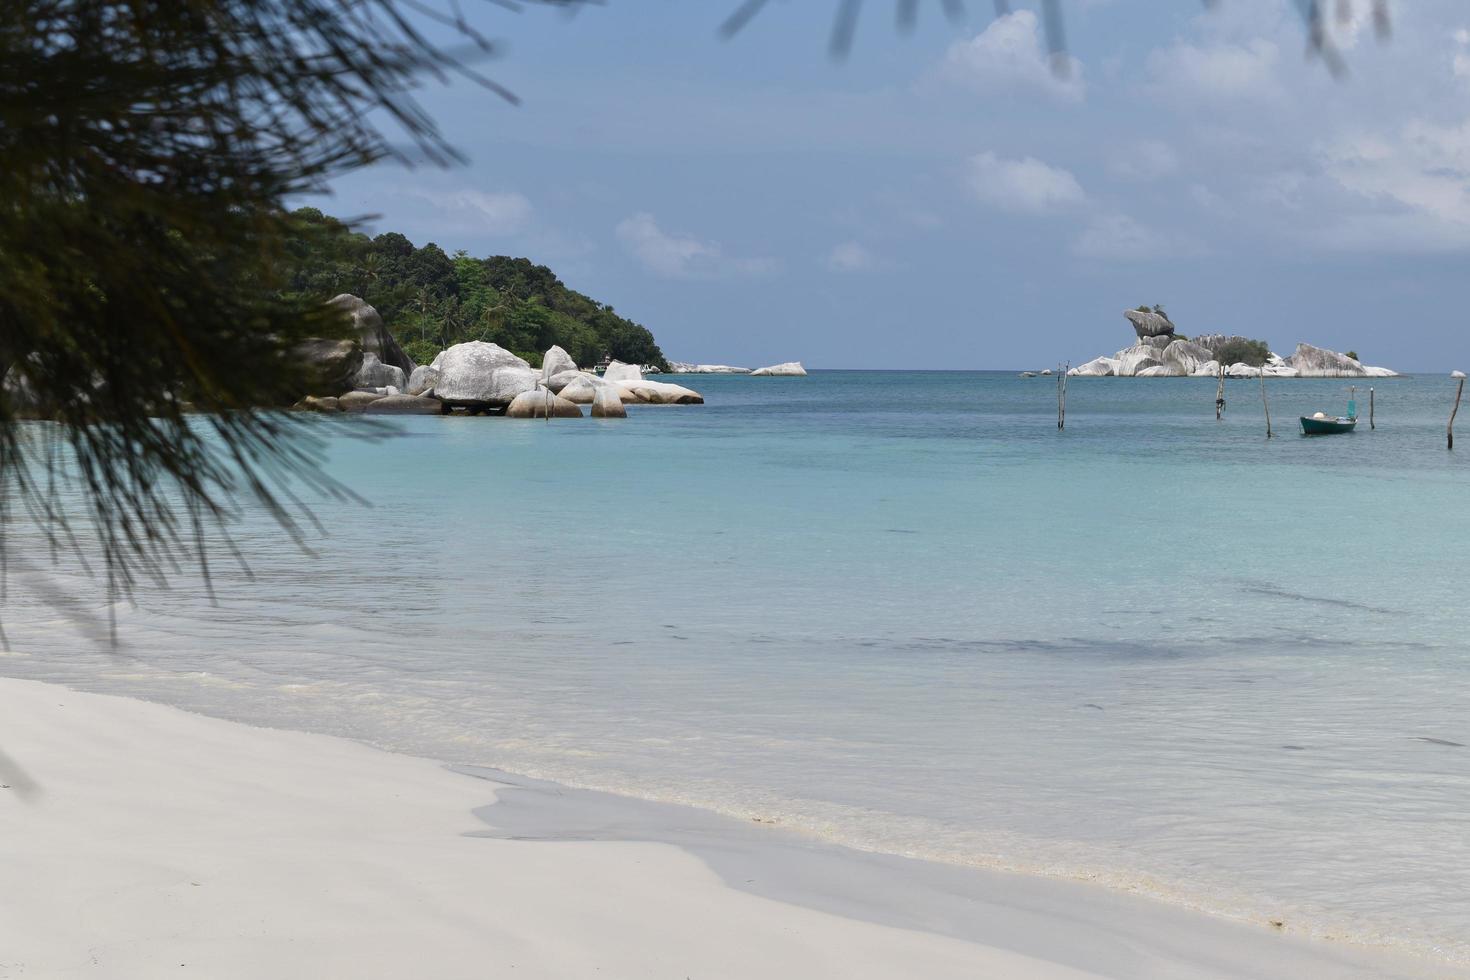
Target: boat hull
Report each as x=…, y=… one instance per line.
x=1327, y=427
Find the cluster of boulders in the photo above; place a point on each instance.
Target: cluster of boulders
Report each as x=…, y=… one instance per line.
x=683, y=367
x=1158, y=353
x=790, y=369
x=374, y=376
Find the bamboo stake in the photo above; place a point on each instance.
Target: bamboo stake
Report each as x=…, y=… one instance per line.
x=1065, y=368
x=1450, y=429
x=1061, y=418
x=1371, y=423
x=1266, y=404
x=1220, y=395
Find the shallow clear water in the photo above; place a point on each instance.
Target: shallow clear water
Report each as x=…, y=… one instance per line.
x=903, y=611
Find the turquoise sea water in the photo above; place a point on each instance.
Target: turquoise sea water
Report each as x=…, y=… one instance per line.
x=903, y=611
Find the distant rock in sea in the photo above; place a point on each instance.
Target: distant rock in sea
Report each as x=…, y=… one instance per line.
x=682, y=367
x=1149, y=325
x=790, y=369
x=1160, y=354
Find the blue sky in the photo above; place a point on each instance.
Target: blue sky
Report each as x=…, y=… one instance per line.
x=941, y=200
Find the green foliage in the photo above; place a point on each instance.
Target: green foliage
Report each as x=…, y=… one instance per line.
x=1142, y=309
x=420, y=351
x=1354, y=355
x=1160, y=311
x=1240, y=350
x=427, y=296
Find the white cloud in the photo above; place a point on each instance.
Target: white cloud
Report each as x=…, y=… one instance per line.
x=1008, y=56
x=1119, y=237
x=676, y=256
x=1418, y=181
x=850, y=257
x=1216, y=72
x=490, y=213
x=1460, y=59
x=1144, y=159
x=1026, y=185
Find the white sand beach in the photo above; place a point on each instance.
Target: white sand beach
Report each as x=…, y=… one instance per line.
x=137, y=840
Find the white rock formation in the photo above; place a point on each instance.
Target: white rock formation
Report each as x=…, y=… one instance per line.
x=618, y=371
x=682, y=367
x=790, y=369
x=556, y=361
x=1209, y=369
x=1148, y=325
x=1182, y=357
x=422, y=380
x=582, y=390
x=481, y=374
x=375, y=374
x=607, y=403
x=1240, y=369
x=561, y=379
x=1157, y=371
x=536, y=403
x=1098, y=367
x=1136, y=359
x=661, y=393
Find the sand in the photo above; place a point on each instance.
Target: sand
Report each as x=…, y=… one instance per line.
x=137, y=840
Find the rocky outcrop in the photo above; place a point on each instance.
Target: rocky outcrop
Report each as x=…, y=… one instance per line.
x=478, y=375
x=1099, y=367
x=607, y=403
x=372, y=334
x=790, y=369
x=1318, y=362
x=422, y=381
x=375, y=374
x=358, y=401
x=661, y=393
x=561, y=379
x=681, y=367
x=556, y=361
x=582, y=390
x=327, y=367
x=1136, y=359
x=311, y=403
x=404, y=405
x=618, y=371
x=1148, y=325
x=536, y=404
x=1159, y=354
x=1182, y=357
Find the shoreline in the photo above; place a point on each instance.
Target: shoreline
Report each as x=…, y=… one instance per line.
x=187, y=839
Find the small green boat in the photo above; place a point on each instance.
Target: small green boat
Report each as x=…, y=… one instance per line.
x=1312, y=426
x=1322, y=425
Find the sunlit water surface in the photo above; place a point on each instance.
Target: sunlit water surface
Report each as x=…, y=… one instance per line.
x=903, y=611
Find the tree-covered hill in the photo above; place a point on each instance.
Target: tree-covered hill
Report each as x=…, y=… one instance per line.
x=430, y=299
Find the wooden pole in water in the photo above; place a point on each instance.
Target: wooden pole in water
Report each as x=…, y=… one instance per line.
x=1066, y=366
x=1220, y=395
x=1062, y=419
x=1372, y=424
x=1450, y=429
x=1265, y=403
